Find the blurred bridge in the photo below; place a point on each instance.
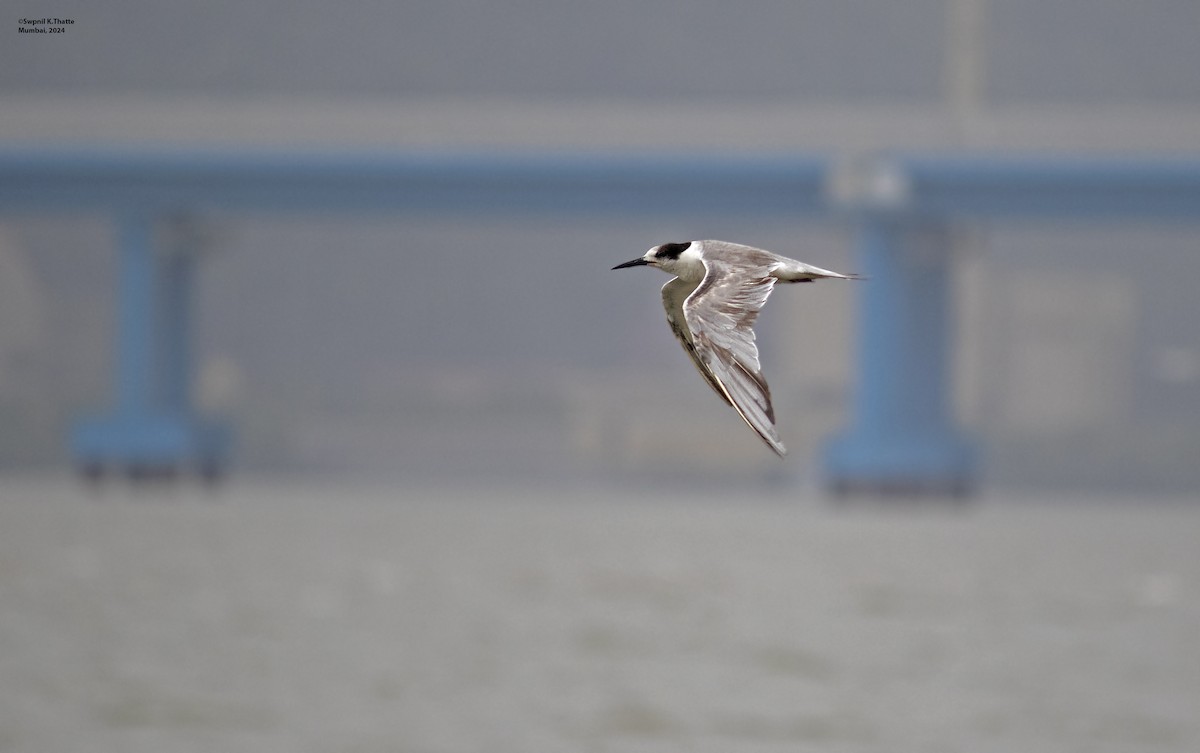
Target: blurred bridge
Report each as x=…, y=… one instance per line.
x=903, y=435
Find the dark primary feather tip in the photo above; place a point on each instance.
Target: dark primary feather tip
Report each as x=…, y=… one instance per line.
x=671, y=250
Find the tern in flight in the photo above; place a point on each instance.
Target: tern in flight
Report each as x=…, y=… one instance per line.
x=712, y=302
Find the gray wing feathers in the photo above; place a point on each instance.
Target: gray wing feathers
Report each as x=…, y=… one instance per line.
x=719, y=336
x=674, y=293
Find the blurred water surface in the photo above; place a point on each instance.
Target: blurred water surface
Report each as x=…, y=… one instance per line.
x=318, y=617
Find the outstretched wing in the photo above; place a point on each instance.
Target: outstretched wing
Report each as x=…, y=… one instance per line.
x=674, y=294
x=717, y=332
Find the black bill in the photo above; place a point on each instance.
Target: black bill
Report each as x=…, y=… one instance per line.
x=635, y=263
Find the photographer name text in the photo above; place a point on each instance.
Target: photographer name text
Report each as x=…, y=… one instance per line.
x=43, y=25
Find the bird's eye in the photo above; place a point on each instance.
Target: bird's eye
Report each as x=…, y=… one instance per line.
x=671, y=250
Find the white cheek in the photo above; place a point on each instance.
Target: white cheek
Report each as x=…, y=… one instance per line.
x=691, y=255
x=689, y=265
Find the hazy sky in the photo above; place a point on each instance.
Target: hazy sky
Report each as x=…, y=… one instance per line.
x=757, y=50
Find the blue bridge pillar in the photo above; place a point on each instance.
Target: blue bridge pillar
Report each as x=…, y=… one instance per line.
x=152, y=429
x=902, y=437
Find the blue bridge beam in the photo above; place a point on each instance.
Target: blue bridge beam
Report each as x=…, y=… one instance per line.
x=902, y=435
